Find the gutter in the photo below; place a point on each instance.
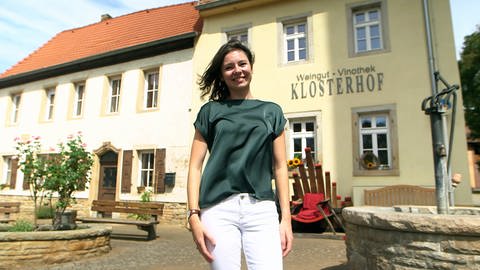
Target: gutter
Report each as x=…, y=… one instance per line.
x=140, y=51
x=215, y=4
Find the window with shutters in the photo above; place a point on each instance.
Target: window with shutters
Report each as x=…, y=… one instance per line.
x=374, y=142
x=146, y=159
x=151, y=170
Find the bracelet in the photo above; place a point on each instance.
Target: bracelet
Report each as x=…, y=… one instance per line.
x=192, y=212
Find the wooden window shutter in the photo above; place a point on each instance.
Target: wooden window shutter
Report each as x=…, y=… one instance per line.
x=127, y=171
x=160, y=170
x=13, y=173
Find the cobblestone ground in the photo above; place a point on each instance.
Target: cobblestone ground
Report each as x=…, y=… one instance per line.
x=174, y=250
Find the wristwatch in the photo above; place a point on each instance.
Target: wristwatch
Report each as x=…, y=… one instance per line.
x=192, y=212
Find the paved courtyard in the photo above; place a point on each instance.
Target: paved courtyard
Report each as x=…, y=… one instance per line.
x=174, y=250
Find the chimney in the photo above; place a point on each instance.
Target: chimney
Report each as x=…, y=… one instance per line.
x=105, y=17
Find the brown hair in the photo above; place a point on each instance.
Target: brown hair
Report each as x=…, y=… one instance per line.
x=211, y=81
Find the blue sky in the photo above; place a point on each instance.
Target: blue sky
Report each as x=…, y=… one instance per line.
x=27, y=24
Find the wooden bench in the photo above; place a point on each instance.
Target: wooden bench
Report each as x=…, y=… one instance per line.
x=154, y=209
x=7, y=208
x=400, y=195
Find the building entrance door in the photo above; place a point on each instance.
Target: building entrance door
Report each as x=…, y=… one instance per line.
x=108, y=178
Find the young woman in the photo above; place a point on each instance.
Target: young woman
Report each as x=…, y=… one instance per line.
x=232, y=204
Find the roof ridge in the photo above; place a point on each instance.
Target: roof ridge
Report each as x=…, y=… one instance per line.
x=124, y=15
x=137, y=27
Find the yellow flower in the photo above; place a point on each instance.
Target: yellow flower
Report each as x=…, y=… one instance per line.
x=296, y=162
x=290, y=163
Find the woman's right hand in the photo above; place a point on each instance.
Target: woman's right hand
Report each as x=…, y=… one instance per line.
x=203, y=239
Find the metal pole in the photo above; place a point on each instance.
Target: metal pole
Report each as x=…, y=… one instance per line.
x=440, y=161
x=431, y=59
x=437, y=123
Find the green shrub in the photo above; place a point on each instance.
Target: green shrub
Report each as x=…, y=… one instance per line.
x=45, y=211
x=145, y=197
x=22, y=226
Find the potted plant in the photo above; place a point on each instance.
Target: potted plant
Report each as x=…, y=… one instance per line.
x=68, y=171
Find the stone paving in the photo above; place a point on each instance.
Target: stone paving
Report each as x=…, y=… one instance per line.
x=174, y=250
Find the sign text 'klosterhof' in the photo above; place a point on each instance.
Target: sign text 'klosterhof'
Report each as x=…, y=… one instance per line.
x=343, y=81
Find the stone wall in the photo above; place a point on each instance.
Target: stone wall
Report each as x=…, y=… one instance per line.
x=26, y=206
x=387, y=238
x=21, y=249
x=174, y=214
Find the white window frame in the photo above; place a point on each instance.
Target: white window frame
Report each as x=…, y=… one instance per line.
x=295, y=37
x=303, y=135
x=374, y=131
x=367, y=25
x=16, y=101
x=364, y=7
x=148, y=169
x=50, y=104
x=240, y=35
x=115, y=84
x=78, y=99
x=389, y=112
x=7, y=170
x=153, y=90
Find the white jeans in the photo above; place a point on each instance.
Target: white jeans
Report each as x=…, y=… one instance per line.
x=243, y=221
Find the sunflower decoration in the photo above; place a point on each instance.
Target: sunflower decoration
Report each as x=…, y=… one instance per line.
x=369, y=161
x=294, y=163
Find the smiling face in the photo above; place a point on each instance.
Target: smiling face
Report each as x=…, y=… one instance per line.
x=237, y=73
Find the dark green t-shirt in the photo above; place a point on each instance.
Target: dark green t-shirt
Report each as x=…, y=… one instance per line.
x=239, y=135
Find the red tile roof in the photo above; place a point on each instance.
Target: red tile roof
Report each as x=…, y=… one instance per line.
x=110, y=35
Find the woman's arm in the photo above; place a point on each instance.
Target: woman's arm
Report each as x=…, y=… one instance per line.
x=282, y=187
x=197, y=156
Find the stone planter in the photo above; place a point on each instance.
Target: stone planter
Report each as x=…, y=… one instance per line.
x=412, y=237
x=18, y=250
x=65, y=220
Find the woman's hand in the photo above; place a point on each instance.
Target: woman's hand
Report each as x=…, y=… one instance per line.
x=286, y=236
x=203, y=239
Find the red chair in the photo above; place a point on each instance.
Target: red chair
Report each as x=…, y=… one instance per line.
x=312, y=197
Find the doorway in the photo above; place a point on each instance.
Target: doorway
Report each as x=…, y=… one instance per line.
x=108, y=176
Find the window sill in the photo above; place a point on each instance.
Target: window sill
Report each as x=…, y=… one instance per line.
x=376, y=172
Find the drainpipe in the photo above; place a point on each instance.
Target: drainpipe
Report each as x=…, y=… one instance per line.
x=436, y=109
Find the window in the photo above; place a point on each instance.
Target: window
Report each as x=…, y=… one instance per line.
x=240, y=35
x=50, y=104
x=146, y=166
x=7, y=171
x=367, y=28
x=151, y=90
x=114, y=95
x=302, y=135
x=78, y=99
x=15, y=108
x=375, y=142
x=295, y=41
x=374, y=138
